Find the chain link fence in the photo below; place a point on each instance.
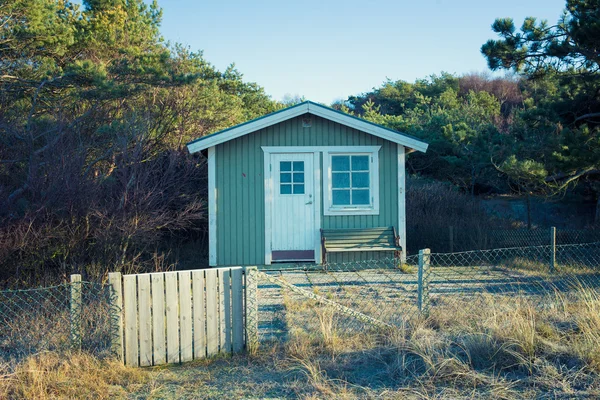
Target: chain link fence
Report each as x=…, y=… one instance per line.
x=457, y=239
x=384, y=294
x=57, y=318
x=376, y=295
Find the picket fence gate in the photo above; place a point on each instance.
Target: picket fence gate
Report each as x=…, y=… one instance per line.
x=173, y=317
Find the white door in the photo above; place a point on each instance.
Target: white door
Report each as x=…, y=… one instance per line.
x=293, y=208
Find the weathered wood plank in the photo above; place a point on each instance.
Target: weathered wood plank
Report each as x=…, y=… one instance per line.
x=116, y=314
x=251, y=308
x=225, y=310
x=358, y=231
x=212, y=320
x=423, y=281
x=361, y=248
x=237, y=311
x=172, y=307
x=158, y=318
x=76, y=311
x=199, y=314
x=185, y=315
x=131, y=331
x=145, y=319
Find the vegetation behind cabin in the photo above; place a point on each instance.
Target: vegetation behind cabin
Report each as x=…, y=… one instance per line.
x=96, y=109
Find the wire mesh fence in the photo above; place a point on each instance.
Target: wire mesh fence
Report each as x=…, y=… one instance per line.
x=457, y=239
x=358, y=296
x=47, y=319
x=383, y=294
x=361, y=295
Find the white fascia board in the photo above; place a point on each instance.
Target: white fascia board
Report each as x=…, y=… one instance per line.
x=315, y=109
x=401, y=229
x=268, y=188
x=212, y=208
x=367, y=127
x=244, y=129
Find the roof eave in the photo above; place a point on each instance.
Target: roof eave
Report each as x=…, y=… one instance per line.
x=300, y=109
x=242, y=129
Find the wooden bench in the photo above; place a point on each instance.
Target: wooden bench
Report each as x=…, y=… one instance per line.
x=369, y=239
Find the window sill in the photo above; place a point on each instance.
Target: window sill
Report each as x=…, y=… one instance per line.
x=351, y=211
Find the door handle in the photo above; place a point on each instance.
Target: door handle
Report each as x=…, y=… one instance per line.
x=310, y=202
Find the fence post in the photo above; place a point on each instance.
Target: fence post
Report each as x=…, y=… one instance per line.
x=76, y=306
x=552, y=249
x=116, y=314
x=251, y=275
x=423, y=281
x=451, y=236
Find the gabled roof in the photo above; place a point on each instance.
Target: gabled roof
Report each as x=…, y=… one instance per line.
x=307, y=107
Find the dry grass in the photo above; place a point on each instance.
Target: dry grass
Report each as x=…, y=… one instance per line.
x=50, y=376
x=507, y=348
x=532, y=266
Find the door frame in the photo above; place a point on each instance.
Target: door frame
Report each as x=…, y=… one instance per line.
x=269, y=195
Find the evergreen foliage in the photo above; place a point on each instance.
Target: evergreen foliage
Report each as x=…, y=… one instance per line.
x=96, y=110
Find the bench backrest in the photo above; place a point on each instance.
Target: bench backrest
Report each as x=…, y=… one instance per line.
x=356, y=237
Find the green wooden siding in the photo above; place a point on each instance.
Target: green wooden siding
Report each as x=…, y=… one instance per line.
x=240, y=187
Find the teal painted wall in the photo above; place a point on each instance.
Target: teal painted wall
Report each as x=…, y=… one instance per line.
x=240, y=187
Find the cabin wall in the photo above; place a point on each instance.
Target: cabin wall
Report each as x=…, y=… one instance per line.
x=240, y=187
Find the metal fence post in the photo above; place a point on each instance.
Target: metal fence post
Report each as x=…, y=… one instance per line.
x=451, y=237
x=423, y=281
x=116, y=314
x=251, y=289
x=76, y=305
x=552, y=249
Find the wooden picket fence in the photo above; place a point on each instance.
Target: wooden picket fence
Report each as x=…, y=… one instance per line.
x=172, y=317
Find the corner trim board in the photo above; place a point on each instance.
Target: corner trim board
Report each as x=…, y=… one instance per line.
x=212, y=207
x=402, y=199
x=268, y=208
x=318, y=184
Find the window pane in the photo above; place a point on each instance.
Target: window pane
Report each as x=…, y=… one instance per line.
x=299, y=188
x=340, y=163
x=360, y=180
x=341, y=197
x=340, y=180
x=360, y=163
x=299, y=166
x=286, y=177
x=285, y=189
x=285, y=165
x=299, y=177
x=360, y=197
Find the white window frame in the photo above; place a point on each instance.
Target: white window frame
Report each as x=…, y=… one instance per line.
x=371, y=209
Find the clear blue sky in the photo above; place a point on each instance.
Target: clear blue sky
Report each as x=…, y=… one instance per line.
x=327, y=50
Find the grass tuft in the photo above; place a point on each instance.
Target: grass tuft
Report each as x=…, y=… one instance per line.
x=78, y=375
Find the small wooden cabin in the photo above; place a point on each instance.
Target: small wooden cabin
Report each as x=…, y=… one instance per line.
x=304, y=181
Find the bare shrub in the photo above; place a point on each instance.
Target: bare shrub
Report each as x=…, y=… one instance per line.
x=91, y=223
x=433, y=206
x=505, y=89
